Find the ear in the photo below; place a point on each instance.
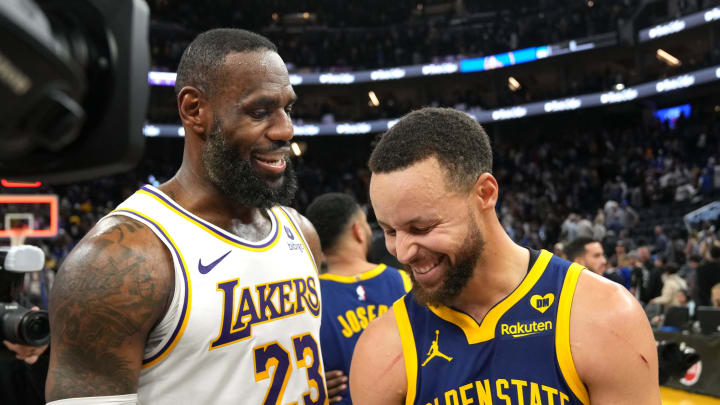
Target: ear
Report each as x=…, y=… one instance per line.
x=485, y=192
x=194, y=110
x=357, y=232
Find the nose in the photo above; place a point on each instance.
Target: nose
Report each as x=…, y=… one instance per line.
x=281, y=129
x=405, y=248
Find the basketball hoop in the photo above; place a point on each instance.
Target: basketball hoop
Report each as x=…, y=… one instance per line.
x=18, y=235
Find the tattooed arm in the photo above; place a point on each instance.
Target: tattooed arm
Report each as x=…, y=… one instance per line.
x=111, y=290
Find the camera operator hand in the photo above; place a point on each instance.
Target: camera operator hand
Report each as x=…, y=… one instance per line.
x=28, y=354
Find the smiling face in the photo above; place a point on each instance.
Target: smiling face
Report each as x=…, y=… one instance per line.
x=429, y=227
x=246, y=154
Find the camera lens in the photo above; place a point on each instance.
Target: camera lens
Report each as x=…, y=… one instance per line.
x=26, y=327
x=35, y=328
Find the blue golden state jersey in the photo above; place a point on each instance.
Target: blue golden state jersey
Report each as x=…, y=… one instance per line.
x=349, y=304
x=518, y=354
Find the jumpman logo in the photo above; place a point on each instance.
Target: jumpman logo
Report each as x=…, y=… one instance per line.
x=434, y=351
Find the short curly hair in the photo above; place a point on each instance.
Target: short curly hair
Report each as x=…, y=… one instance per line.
x=201, y=62
x=457, y=141
x=330, y=213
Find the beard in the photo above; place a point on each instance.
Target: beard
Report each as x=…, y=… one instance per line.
x=238, y=180
x=456, y=277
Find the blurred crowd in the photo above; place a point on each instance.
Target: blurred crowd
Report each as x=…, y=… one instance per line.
x=342, y=36
x=626, y=186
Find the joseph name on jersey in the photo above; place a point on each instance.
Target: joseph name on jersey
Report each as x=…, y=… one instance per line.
x=243, y=325
x=350, y=303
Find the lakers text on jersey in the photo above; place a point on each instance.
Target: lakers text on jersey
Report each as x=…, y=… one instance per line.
x=244, y=322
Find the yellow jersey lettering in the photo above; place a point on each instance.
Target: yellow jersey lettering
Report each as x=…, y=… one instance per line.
x=464, y=400
x=362, y=315
x=551, y=392
x=452, y=394
x=484, y=393
x=371, y=312
x=520, y=329
x=504, y=392
x=352, y=320
x=535, y=394
x=519, y=385
x=346, y=331
x=500, y=385
x=355, y=321
x=382, y=309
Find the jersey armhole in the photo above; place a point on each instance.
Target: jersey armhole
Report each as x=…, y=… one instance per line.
x=166, y=333
x=408, y=348
x=407, y=283
x=562, y=335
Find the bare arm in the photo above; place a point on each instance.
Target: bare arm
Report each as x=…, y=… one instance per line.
x=377, y=373
x=109, y=293
x=612, y=344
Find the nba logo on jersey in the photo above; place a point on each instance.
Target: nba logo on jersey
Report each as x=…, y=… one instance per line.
x=360, y=292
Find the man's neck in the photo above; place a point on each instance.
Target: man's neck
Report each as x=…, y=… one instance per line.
x=500, y=270
x=347, y=265
x=197, y=195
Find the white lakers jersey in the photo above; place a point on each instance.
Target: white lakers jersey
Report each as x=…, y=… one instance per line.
x=243, y=326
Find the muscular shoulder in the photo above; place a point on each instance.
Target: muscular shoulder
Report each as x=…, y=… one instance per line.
x=612, y=345
x=377, y=372
x=311, y=236
x=118, y=251
x=108, y=294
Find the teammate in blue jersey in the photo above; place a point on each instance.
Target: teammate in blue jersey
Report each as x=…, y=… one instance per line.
x=487, y=321
x=354, y=291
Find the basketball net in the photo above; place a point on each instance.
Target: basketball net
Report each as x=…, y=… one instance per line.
x=18, y=235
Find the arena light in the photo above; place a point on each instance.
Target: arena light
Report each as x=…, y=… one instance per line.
x=295, y=149
x=667, y=58
x=639, y=91
x=374, y=101
x=619, y=86
x=20, y=184
x=513, y=84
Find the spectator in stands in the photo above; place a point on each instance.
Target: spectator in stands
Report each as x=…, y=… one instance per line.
x=587, y=252
x=585, y=228
x=672, y=285
x=708, y=274
x=599, y=229
x=688, y=271
x=661, y=240
x=569, y=227
x=715, y=296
